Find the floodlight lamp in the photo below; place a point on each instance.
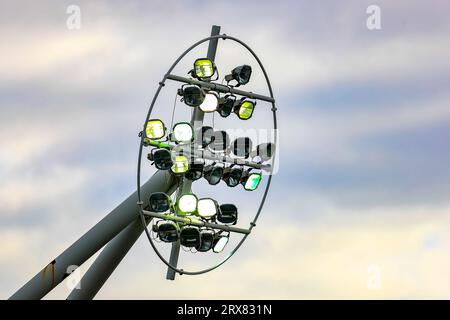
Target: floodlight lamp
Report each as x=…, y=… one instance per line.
x=241, y=74
x=205, y=135
x=155, y=129
x=227, y=214
x=207, y=208
x=190, y=237
x=193, y=96
x=264, y=151
x=226, y=105
x=221, y=141
x=180, y=164
x=251, y=181
x=232, y=176
x=168, y=232
x=195, y=171
x=213, y=174
x=241, y=147
x=203, y=69
x=206, y=241
x=182, y=133
x=220, y=243
x=244, y=109
x=187, y=203
x=159, y=202
x=210, y=102
x=162, y=158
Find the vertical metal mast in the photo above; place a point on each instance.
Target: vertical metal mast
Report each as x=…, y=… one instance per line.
x=196, y=122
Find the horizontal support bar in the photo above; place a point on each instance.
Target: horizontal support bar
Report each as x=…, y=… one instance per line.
x=195, y=222
x=221, y=88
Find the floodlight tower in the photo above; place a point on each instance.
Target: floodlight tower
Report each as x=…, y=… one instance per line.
x=180, y=154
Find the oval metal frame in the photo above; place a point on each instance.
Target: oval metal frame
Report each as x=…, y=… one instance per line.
x=155, y=97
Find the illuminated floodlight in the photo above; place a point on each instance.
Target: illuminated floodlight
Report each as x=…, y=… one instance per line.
x=187, y=203
x=203, y=68
x=210, y=103
x=207, y=208
x=155, y=129
x=182, y=133
x=180, y=164
x=244, y=109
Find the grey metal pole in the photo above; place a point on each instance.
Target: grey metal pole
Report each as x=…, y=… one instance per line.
x=196, y=121
x=108, y=260
x=91, y=241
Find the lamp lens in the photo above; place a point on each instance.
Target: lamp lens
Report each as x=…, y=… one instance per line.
x=187, y=203
x=214, y=175
x=243, y=74
x=226, y=107
x=228, y=213
x=155, y=129
x=245, y=110
x=195, y=171
x=183, y=133
x=205, y=136
x=207, y=208
x=159, y=202
x=210, y=103
x=180, y=165
x=203, y=68
x=252, y=182
x=232, y=176
x=220, y=244
x=221, y=141
x=193, y=96
x=190, y=237
x=168, y=232
x=206, y=241
x=162, y=159
x=241, y=147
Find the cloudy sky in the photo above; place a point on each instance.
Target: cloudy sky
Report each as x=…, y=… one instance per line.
x=360, y=205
